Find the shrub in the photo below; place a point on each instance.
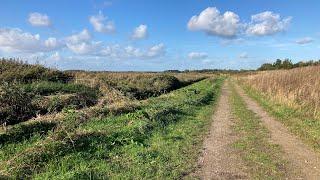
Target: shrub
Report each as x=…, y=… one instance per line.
x=15, y=104
x=47, y=88
x=55, y=103
x=13, y=70
x=142, y=87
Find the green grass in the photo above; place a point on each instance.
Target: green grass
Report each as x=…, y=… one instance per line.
x=298, y=121
x=159, y=140
x=264, y=160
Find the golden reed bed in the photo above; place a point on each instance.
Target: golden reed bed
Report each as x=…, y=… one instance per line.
x=298, y=88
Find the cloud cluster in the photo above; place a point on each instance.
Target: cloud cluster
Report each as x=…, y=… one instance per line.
x=213, y=23
x=305, y=40
x=82, y=44
x=15, y=40
x=101, y=24
x=197, y=55
x=267, y=23
x=37, y=19
x=140, y=32
x=130, y=52
x=228, y=25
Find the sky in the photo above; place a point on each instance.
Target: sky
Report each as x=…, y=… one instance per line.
x=154, y=35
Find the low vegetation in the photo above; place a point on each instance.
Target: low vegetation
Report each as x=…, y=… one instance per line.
x=29, y=90
x=49, y=88
x=264, y=160
x=298, y=88
x=19, y=71
x=97, y=120
x=97, y=125
x=292, y=96
x=139, y=85
x=15, y=104
x=160, y=139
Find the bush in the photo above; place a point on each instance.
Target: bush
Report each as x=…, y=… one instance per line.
x=15, y=104
x=143, y=87
x=77, y=96
x=47, y=88
x=13, y=70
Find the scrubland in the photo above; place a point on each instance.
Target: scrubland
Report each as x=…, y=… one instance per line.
x=75, y=125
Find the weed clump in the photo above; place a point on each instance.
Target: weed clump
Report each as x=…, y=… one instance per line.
x=15, y=104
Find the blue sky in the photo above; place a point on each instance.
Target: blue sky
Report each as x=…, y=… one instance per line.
x=149, y=35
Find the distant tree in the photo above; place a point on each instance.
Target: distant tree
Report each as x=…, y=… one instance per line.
x=277, y=64
x=287, y=64
x=266, y=66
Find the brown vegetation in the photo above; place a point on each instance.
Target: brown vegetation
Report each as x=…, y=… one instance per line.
x=298, y=88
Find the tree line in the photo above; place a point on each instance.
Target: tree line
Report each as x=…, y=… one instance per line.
x=286, y=64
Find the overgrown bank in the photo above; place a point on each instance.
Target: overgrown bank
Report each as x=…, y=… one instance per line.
x=160, y=140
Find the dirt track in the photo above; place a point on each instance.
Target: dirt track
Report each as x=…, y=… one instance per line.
x=220, y=161
x=296, y=152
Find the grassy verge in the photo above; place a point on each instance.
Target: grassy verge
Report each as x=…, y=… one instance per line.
x=159, y=140
x=298, y=122
x=263, y=158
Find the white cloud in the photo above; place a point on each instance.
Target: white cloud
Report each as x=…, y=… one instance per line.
x=85, y=47
x=156, y=50
x=51, y=42
x=267, y=23
x=131, y=51
x=305, y=40
x=15, y=40
x=228, y=24
x=100, y=23
x=128, y=52
x=37, y=19
x=81, y=43
x=54, y=57
x=213, y=23
x=82, y=36
x=140, y=32
x=244, y=55
x=197, y=55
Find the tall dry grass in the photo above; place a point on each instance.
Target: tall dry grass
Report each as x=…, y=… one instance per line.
x=297, y=88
